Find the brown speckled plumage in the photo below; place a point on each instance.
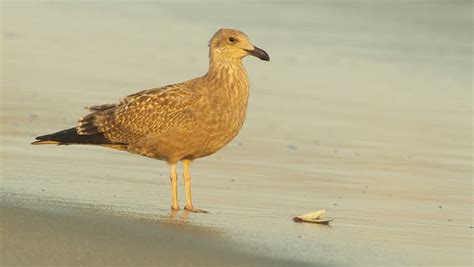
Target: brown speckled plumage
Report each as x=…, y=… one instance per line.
x=183, y=121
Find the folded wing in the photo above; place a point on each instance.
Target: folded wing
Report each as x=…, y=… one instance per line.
x=147, y=112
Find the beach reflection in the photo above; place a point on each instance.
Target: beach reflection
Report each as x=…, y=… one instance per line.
x=177, y=217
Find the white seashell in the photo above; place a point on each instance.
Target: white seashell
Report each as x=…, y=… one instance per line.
x=313, y=217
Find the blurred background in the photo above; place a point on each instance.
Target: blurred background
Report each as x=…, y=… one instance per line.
x=365, y=109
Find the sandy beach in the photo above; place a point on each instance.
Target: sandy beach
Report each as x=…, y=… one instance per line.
x=60, y=237
x=364, y=110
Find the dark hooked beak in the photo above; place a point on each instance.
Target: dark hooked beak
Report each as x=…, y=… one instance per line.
x=260, y=53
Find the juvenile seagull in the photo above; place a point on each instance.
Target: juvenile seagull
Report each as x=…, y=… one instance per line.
x=178, y=122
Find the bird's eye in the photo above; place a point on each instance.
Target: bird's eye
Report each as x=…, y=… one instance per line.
x=231, y=39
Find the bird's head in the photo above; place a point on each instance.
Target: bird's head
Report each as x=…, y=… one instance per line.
x=229, y=44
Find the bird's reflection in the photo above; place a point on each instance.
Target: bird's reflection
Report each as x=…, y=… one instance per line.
x=175, y=219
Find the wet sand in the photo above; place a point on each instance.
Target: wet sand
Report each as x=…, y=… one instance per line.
x=365, y=110
x=60, y=237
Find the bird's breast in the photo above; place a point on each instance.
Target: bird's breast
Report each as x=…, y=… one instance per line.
x=222, y=117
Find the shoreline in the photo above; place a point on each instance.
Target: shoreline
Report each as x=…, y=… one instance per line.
x=33, y=236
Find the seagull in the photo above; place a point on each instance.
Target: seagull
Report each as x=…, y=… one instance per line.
x=178, y=122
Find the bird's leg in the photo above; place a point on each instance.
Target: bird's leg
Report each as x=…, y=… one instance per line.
x=174, y=187
x=187, y=185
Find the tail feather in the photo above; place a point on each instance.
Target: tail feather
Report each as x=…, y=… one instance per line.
x=70, y=136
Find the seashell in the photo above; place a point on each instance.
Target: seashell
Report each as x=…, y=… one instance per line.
x=313, y=217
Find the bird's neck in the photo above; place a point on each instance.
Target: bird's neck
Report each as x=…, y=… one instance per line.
x=228, y=73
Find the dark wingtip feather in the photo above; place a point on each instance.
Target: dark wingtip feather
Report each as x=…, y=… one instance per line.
x=71, y=136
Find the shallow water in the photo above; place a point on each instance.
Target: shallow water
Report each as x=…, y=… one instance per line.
x=365, y=110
